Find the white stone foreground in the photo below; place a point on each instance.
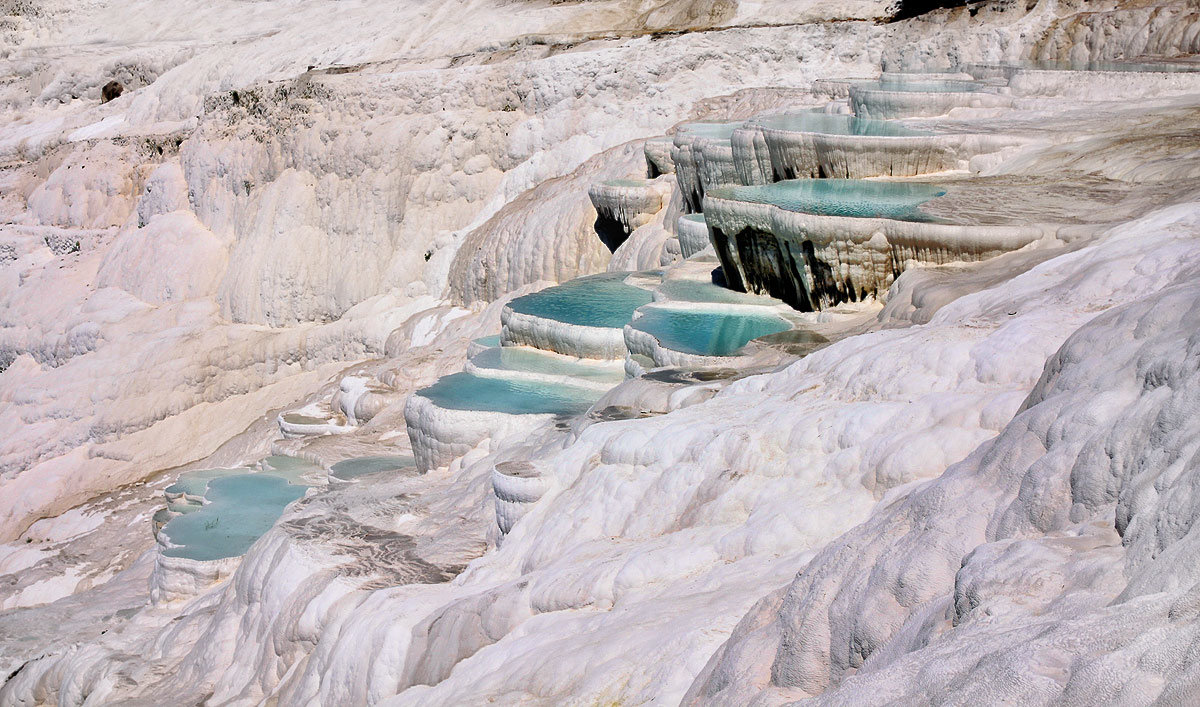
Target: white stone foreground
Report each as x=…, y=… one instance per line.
x=1078, y=539
x=566, y=569
x=990, y=501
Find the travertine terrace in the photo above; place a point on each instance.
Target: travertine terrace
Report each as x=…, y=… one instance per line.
x=540, y=353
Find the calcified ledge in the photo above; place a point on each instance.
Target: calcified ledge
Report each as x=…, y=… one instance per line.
x=555, y=379
x=312, y=420
x=440, y=435
x=1156, y=74
x=175, y=578
x=813, y=262
x=623, y=205
x=1112, y=85
x=578, y=340
x=702, y=162
x=883, y=104
x=792, y=154
x=692, y=232
x=658, y=156
x=839, y=88
x=517, y=485
x=646, y=345
x=751, y=158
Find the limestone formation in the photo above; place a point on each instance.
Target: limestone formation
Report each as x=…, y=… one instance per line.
x=683, y=351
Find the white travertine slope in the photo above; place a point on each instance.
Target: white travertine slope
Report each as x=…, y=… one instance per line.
x=1059, y=545
x=976, y=509
x=336, y=200
x=736, y=508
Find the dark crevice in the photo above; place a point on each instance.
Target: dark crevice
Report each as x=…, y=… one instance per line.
x=908, y=9
x=612, y=233
x=788, y=269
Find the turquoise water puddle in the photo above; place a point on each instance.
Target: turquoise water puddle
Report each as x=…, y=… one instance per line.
x=597, y=300
x=698, y=291
x=239, y=508
x=349, y=469
x=707, y=333
x=296, y=418
x=842, y=197
x=698, y=218
x=488, y=341
x=951, y=86
x=463, y=391
x=193, y=483
x=290, y=468
x=830, y=124
x=626, y=182
x=714, y=131
x=515, y=358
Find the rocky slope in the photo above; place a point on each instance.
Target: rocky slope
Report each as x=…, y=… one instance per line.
x=982, y=495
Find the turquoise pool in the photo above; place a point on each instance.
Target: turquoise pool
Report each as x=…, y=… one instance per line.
x=296, y=418
x=239, y=508
x=830, y=124
x=626, y=182
x=698, y=291
x=597, y=300
x=463, y=391
x=858, y=198
x=518, y=358
x=348, y=469
x=951, y=86
x=714, y=131
x=707, y=333
x=194, y=483
x=290, y=468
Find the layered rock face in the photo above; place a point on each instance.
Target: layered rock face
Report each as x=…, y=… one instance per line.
x=951, y=462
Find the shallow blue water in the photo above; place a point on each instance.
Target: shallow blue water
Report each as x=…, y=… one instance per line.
x=597, y=300
x=517, y=358
x=698, y=218
x=361, y=466
x=697, y=291
x=239, y=509
x=707, y=333
x=290, y=468
x=488, y=341
x=951, y=86
x=830, y=124
x=193, y=483
x=715, y=131
x=841, y=197
x=296, y=418
x=463, y=391
x=626, y=182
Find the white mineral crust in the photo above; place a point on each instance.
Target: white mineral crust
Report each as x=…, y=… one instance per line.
x=983, y=491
